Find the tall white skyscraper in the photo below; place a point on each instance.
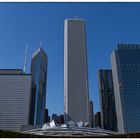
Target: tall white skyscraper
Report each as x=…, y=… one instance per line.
x=76, y=96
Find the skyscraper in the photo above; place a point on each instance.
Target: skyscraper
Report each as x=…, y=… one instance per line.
x=98, y=120
x=61, y=119
x=39, y=78
x=46, y=115
x=125, y=62
x=91, y=112
x=15, y=89
x=54, y=117
x=76, y=98
x=107, y=100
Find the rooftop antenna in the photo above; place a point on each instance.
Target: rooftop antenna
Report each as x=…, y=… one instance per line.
x=40, y=44
x=25, y=60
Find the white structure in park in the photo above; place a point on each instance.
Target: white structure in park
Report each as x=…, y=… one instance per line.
x=69, y=129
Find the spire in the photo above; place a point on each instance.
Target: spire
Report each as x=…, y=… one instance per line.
x=25, y=60
x=40, y=44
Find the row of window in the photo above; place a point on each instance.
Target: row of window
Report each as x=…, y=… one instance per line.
x=130, y=64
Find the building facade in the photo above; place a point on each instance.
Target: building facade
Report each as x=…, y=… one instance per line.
x=39, y=80
x=61, y=118
x=91, y=111
x=76, y=97
x=107, y=100
x=15, y=89
x=49, y=119
x=98, y=120
x=46, y=115
x=125, y=61
x=54, y=117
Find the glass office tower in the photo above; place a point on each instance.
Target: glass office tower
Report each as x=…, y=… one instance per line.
x=107, y=100
x=98, y=120
x=39, y=78
x=76, y=97
x=125, y=62
x=91, y=112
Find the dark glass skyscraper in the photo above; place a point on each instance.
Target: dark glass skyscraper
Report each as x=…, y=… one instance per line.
x=39, y=78
x=107, y=100
x=46, y=115
x=98, y=120
x=91, y=112
x=126, y=79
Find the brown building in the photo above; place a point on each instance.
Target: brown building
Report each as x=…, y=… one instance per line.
x=60, y=119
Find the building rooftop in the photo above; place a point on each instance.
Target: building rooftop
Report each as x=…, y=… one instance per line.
x=37, y=51
x=74, y=19
x=128, y=46
x=11, y=71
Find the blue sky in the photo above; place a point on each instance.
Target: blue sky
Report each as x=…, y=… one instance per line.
x=107, y=24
